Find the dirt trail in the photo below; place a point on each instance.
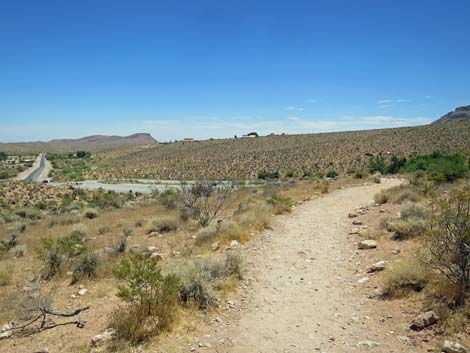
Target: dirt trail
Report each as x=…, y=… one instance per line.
x=300, y=294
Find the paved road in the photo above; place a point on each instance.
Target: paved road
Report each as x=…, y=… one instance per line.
x=35, y=175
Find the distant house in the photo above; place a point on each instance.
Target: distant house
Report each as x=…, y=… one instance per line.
x=188, y=139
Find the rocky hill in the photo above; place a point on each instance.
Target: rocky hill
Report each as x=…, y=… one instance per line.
x=459, y=114
x=93, y=143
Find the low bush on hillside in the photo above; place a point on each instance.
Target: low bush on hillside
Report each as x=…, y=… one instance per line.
x=411, y=223
x=265, y=175
x=403, y=277
x=169, y=198
x=202, y=279
x=280, y=204
x=151, y=296
x=56, y=254
x=449, y=239
x=90, y=213
x=161, y=225
x=204, y=201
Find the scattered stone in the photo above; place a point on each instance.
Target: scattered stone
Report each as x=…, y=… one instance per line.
x=357, y=222
x=151, y=249
x=405, y=340
x=234, y=245
x=363, y=280
x=367, y=244
x=453, y=347
x=82, y=291
x=215, y=246
x=378, y=266
x=367, y=344
x=424, y=320
x=354, y=231
x=102, y=338
x=157, y=255
x=352, y=215
x=6, y=334
x=395, y=251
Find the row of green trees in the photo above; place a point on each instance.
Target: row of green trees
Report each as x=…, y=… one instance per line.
x=438, y=166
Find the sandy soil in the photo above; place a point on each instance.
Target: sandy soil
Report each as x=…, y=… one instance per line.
x=302, y=292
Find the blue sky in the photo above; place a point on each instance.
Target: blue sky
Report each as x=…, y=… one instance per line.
x=200, y=68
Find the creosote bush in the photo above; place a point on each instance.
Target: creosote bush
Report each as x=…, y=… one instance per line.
x=169, y=198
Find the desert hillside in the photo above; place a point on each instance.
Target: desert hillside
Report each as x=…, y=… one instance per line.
x=90, y=143
x=286, y=154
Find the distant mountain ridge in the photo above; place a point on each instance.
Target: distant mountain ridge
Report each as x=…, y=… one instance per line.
x=94, y=143
x=459, y=114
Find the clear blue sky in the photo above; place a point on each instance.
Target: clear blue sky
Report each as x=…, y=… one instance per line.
x=217, y=68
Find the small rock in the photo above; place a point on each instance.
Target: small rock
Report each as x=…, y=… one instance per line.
x=156, y=255
x=405, y=340
x=367, y=344
x=82, y=291
x=215, y=246
x=357, y=223
x=354, y=231
x=103, y=337
x=453, y=347
x=352, y=215
x=363, y=280
x=6, y=334
x=424, y=320
x=395, y=251
x=234, y=245
x=378, y=266
x=367, y=244
x=151, y=249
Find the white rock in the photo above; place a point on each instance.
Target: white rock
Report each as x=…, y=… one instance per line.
x=367, y=244
x=103, y=337
x=215, y=246
x=453, y=347
x=82, y=291
x=378, y=266
x=6, y=334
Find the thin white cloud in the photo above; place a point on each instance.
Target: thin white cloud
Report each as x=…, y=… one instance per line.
x=292, y=118
x=293, y=107
x=311, y=100
x=389, y=102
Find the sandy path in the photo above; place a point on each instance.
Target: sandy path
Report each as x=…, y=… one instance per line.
x=300, y=294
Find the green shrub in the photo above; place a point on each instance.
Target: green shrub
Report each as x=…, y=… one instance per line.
x=103, y=230
x=163, y=225
x=85, y=267
x=404, y=276
x=6, y=275
x=265, y=175
x=280, y=204
x=152, y=297
x=29, y=213
x=407, y=229
x=90, y=213
x=234, y=265
x=169, y=198
x=331, y=174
